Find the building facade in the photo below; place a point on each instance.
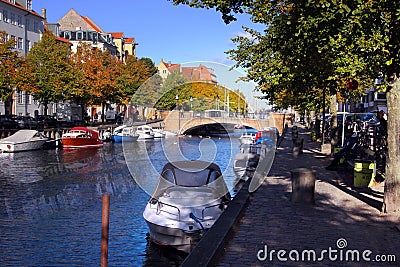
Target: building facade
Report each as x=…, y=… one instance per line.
x=24, y=25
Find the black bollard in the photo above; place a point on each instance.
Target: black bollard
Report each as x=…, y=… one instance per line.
x=298, y=146
x=303, y=186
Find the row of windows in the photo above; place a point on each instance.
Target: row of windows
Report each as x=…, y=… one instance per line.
x=19, y=42
x=23, y=98
x=86, y=36
x=12, y=18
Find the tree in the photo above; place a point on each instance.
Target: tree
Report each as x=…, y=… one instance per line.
x=46, y=71
x=134, y=73
x=96, y=76
x=308, y=46
x=9, y=61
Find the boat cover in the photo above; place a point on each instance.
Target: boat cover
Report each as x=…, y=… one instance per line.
x=191, y=173
x=20, y=136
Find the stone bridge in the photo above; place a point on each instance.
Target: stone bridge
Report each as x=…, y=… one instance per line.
x=184, y=122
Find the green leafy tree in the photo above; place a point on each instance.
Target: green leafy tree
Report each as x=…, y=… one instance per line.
x=134, y=73
x=9, y=61
x=46, y=71
x=309, y=46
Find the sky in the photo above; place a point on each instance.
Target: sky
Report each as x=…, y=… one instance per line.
x=179, y=34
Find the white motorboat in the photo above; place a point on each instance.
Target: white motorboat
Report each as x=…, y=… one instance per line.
x=245, y=163
x=189, y=198
x=159, y=133
x=145, y=132
x=247, y=138
x=24, y=140
x=124, y=133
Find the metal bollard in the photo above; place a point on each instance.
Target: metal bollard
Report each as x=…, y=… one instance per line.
x=298, y=146
x=303, y=186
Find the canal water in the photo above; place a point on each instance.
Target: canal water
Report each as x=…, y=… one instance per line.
x=50, y=200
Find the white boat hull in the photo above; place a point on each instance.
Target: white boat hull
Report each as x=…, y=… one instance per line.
x=11, y=147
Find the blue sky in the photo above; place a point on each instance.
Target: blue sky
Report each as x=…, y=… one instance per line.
x=179, y=34
x=175, y=33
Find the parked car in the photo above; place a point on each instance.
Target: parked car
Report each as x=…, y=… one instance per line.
x=26, y=122
x=6, y=122
x=47, y=121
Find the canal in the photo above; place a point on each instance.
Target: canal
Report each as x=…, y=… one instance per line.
x=50, y=200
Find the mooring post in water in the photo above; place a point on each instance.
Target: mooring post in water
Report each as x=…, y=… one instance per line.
x=105, y=221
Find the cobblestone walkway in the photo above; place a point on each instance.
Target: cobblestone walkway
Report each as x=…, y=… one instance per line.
x=344, y=221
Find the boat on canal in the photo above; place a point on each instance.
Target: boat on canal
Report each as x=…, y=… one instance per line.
x=25, y=140
x=247, y=138
x=124, y=133
x=81, y=137
x=189, y=198
x=145, y=132
x=245, y=163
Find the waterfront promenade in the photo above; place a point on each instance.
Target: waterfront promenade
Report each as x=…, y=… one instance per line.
x=271, y=221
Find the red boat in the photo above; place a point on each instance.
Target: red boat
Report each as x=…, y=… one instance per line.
x=81, y=137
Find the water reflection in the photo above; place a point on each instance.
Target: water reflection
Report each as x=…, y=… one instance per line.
x=50, y=201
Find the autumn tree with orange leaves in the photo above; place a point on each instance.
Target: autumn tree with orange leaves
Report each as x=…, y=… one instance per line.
x=46, y=71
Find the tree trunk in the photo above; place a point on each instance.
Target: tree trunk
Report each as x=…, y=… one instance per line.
x=391, y=201
x=333, y=121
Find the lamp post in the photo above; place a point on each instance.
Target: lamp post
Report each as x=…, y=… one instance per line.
x=179, y=113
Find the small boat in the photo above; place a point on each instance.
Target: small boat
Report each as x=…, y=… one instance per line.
x=247, y=138
x=81, y=137
x=245, y=163
x=145, y=132
x=189, y=198
x=124, y=133
x=159, y=133
x=25, y=140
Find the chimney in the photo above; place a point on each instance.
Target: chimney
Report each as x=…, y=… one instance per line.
x=44, y=13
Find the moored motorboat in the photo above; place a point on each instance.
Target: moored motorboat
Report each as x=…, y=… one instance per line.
x=81, y=137
x=124, y=133
x=159, y=133
x=145, y=132
x=245, y=163
x=247, y=138
x=189, y=198
x=24, y=140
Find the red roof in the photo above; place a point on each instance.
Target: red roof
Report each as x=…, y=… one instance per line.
x=90, y=22
x=171, y=66
x=129, y=40
x=117, y=34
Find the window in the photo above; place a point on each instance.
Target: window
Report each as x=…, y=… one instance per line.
x=11, y=1
x=27, y=45
x=5, y=16
x=19, y=20
x=79, y=35
x=29, y=5
x=20, y=97
x=13, y=21
x=27, y=24
x=35, y=26
x=29, y=97
x=15, y=40
x=19, y=43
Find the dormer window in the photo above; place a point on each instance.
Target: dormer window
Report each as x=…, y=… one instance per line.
x=29, y=5
x=12, y=1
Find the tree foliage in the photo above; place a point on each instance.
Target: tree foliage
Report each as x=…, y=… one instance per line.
x=46, y=71
x=9, y=61
x=309, y=46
